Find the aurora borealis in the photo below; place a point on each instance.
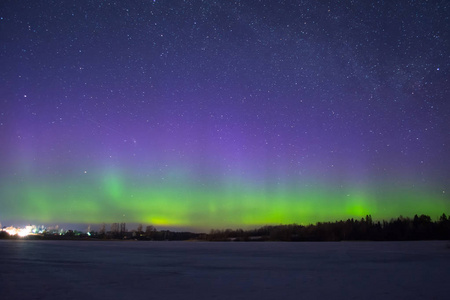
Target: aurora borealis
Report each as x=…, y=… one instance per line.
x=213, y=114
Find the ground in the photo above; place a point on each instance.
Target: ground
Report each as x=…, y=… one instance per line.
x=207, y=270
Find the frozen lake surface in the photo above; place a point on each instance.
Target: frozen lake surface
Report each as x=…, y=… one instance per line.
x=202, y=270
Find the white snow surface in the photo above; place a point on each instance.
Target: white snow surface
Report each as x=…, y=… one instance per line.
x=209, y=270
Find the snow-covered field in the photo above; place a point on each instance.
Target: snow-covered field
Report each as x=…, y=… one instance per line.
x=201, y=270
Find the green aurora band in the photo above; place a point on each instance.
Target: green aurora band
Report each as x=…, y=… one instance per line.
x=180, y=202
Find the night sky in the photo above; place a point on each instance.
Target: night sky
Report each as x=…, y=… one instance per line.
x=215, y=114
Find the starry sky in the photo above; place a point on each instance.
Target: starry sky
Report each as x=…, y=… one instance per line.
x=215, y=114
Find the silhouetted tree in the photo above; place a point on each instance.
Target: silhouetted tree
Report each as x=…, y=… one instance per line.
x=123, y=228
x=4, y=235
x=150, y=231
x=114, y=228
x=102, y=229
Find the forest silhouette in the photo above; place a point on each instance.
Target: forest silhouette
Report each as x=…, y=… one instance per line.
x=400, y=229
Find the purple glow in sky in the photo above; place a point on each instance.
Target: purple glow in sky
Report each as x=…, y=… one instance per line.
x=223, y=113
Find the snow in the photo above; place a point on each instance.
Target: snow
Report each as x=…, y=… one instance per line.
x=208, y=270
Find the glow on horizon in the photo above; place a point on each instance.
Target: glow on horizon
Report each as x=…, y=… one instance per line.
x=21, y=232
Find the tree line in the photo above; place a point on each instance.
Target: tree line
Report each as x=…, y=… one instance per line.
x=400, y=229
x=118, y=231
